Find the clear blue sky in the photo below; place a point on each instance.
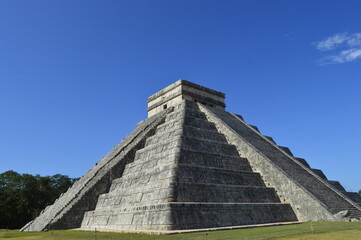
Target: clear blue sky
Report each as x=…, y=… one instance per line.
x=75, y=75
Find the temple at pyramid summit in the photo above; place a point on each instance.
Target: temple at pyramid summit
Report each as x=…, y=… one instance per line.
x=193, y=165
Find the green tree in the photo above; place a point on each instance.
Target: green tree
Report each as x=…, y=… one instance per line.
x=359, y=192
x=24, y=196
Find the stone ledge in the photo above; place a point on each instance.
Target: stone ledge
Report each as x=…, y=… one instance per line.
x=188, y=230
x=185, y=83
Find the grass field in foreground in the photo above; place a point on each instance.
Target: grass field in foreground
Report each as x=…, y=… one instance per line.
x=309, y=231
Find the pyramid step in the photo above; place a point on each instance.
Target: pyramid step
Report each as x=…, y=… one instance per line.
x=187, y=120
x=287, y=150
x=163, y=158
x=160, y=155
x=189, y=173
x=337, y=185
x=206, y=215
x=200, y=133
x=158, y=172
x=214, y=160
x=154, y=190
x=161, y=151
x=148, y=217
x=254, y=127
x=303, y=161
x=188, y=216
x=176, y=114
x=189, y=111
x=319, y=173
x=199, y=123
x=239, y=116
x=313, y=181
x=195, y=113
x=186, y=192
x=170, y=125
x=207, y=192
x=271, y=139
x=187, y=131
x=130, y=199
x=164, y=136
x=209, y=146
x=216, y=140
x=354, y=196
x=159, y=147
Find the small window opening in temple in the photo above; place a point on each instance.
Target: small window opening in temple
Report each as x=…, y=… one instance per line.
x=165, y=106
x=212, y=105
x=195, y=100
x=204, y=103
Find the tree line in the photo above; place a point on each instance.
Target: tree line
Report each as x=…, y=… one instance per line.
x=24, y=196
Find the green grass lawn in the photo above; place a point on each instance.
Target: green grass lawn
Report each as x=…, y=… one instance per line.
x=309, y=231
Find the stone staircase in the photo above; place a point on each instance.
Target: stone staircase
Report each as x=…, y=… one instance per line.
x=68, y=210
x=192, y=165
x=187, y=176
x=215, y=185
x=297, y=169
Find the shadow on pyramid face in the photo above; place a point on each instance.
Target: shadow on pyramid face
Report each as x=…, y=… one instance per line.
x=192, y=165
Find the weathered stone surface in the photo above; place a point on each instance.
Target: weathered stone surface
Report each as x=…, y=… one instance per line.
x=343, y=214
x=205, y=180
x=68, y=210
x=181, y=90
x=308, y=191
x=190, y=165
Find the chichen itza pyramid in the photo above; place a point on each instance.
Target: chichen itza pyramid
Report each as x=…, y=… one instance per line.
x=193, y=165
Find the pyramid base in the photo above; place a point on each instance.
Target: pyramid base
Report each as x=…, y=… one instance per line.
x=159, y=232
x=183, y=216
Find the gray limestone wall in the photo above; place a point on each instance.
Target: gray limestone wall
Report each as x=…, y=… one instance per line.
x=317, y=184
x=186, y=170
x=223, y=193
x=175, y=216
x=68, y=210
x=145, y=182
x=305, y=205
x=196, y=158
x=209, y=215
x=209, y=196
x=151, y=217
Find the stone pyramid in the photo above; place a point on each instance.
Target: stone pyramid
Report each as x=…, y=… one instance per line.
x=193, y=165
